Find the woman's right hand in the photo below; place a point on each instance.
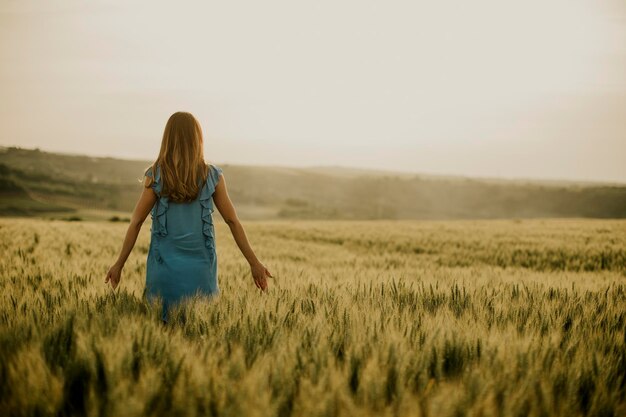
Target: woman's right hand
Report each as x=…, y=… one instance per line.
x=260, y=274
x=114, y=275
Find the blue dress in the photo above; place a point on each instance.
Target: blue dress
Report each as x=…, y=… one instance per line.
x=181, y=259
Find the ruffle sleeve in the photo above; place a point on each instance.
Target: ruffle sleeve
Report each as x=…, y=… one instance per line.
x=156, y=181
x=159, y=219
x=206, y=201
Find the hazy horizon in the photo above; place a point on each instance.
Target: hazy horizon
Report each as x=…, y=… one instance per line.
x=489, y=89
x=348, y=168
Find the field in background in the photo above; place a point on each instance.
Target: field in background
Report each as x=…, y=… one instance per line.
x=36, y=183
x=362, y=318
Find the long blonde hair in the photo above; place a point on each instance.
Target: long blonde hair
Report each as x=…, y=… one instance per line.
x=181, y=159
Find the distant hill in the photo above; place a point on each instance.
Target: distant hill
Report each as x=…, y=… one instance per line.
x=33, y=182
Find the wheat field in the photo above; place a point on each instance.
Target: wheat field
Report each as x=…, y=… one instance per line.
x=476, y=318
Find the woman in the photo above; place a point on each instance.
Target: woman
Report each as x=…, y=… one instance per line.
x=179, y=190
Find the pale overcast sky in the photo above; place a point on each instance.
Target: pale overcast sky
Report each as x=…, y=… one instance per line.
x=496, y=88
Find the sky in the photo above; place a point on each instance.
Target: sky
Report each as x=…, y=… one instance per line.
x=489, y=88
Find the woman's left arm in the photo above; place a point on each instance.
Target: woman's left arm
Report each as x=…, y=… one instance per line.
x=142, y=208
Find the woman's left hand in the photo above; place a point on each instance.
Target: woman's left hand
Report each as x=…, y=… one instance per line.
x=260, y=274
x=114, y=275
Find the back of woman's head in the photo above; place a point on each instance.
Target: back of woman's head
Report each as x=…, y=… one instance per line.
x=181, y=158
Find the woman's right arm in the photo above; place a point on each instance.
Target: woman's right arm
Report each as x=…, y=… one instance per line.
x=227, y=210
x=142, y=208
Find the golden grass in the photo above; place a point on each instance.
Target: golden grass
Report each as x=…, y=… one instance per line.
x=483, y=318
